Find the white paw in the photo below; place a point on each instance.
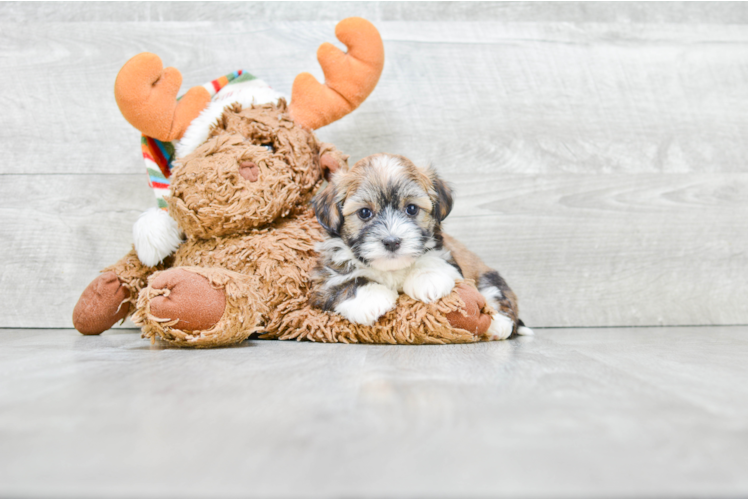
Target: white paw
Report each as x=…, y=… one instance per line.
x=428, y=286
x=501, y=327
x=371, y=301
x=525, y=330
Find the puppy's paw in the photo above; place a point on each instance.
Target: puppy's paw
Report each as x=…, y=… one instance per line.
x=371, y=301
x=501, y=327
x=428, y=286
x=525, y=330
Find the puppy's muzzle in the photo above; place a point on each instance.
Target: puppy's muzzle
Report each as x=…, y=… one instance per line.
x=391, y=243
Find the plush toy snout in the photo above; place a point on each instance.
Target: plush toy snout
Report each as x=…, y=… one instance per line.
x=249, y=170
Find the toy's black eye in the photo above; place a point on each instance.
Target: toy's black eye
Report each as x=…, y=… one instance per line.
x=269, y=147
x=365, y=214
x=411, y=210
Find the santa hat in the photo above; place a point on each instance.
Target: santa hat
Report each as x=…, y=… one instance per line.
x=155, y=234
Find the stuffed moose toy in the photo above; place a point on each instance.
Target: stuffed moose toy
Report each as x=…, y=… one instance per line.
x=233, y=254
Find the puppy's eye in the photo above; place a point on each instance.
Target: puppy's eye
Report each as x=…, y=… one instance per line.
x=411, y=210
x=365, y=214
x=269, y=147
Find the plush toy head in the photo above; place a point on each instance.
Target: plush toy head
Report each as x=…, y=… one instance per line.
x=242, y=156
x=256, y=166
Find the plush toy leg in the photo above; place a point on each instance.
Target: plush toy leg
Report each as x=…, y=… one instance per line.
x=199, y=307
x=189, y=298
x=104, y=302
x=411, y=322
x=472, y=318
x=112, y=295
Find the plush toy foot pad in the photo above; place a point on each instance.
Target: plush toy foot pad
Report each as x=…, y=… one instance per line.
x=190, y=299
x=475, y=322
x=102, y=304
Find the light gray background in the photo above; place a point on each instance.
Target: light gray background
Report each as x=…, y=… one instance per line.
x=599, y=158
x=597, y=150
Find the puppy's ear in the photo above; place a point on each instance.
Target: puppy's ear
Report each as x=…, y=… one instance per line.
x=328, y=211
x=442, y=199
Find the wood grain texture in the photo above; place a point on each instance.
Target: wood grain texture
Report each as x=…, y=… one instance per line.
x=571, y=12
x=58, y=232
x=654, y=249
x=597, y=149
x=604, y=413
x=579, y=250
x=551, y=98
x=470, y=97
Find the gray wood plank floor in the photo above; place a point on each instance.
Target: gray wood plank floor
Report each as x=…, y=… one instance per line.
x=570, y=412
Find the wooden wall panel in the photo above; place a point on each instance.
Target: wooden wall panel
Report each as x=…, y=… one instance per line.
x=570, y=12
x=598, y=150
x=579, y=250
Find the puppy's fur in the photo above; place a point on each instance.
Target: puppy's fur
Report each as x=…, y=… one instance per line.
x=383, y=218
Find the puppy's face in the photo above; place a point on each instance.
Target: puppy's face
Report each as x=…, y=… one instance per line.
x=387, y=210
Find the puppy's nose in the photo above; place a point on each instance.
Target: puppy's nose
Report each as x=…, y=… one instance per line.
x=249, y=170
x=391, y=243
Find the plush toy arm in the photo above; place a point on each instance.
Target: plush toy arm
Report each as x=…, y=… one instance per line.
x=457, y=318
x=212, y=307
x=112, y=296
x=146, y=94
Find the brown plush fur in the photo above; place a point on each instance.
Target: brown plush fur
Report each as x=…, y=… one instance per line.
x=133, y=274
x=255, y=242
x=210, y=197
x=241, y=198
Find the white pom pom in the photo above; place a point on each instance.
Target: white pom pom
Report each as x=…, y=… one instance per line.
x=156, y=236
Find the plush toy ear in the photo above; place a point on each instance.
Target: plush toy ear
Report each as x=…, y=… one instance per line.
x=331, y=160
x=329, y=166
x=441, y=198
x=328, y=211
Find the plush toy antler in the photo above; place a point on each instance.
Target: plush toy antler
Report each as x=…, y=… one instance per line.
x=349, y=77
x=146, y=94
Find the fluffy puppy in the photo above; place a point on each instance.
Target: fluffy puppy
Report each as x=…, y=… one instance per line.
x=383, y=220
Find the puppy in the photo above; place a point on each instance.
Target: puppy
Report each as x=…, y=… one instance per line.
x=383, y=220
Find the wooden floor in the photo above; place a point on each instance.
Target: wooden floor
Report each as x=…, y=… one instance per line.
x=570, y=412
x=598, y=153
